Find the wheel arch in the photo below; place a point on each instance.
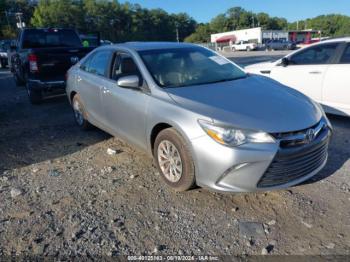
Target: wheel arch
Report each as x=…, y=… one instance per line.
x=155, y=131
x=71, y=95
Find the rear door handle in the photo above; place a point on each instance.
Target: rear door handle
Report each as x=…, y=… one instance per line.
x=315, y=72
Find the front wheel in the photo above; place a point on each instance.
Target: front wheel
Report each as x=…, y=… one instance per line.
x=174, y=160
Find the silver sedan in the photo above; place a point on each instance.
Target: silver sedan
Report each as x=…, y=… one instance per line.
x=205, y=121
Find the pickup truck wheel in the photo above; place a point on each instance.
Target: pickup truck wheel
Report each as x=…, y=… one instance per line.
x=233, y=49
x=18, y=81
x=174, y=160
x=80, y=114
x=248, y=49
x=35, y=96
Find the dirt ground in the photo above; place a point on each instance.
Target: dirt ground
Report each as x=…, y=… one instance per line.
x=61, y=194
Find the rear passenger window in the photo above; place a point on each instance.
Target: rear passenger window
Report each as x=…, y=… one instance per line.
x=345, y=59
x=99, y=63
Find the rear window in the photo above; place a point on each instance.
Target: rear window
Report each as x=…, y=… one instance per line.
x=50, y=38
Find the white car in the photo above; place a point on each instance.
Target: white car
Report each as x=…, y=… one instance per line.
x=244, y=46
x=320, y=71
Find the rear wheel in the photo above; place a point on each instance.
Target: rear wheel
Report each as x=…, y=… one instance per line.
x=18, y=80
x=233, y=49
x=35, y=96
x=80, y=113
x=174, y=160
x=248, y=49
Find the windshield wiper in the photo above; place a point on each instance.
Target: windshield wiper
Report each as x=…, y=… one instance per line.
x=225, y=80
x=207, y=83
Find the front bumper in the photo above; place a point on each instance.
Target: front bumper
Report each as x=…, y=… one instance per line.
x=244, y=168
x=48, y=86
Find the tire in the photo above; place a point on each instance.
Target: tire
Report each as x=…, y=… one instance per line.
x=2, y=64
x=183, y=177
x=80, y=113
x=233, y=49
x=18, y=81
x=35, y=96
x=248, y=49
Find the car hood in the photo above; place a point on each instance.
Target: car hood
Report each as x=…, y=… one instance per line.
x=263, y=66
x=254, y=102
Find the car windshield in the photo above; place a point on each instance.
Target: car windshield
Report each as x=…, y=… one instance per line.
x=42, y=38
x=180, y=67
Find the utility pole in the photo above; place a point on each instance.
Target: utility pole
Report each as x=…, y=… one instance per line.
x=7, y=19
x=253, y=20
x=177, y=32
x=298, y=25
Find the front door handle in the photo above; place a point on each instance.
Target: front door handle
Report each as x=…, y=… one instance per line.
x=315, y=72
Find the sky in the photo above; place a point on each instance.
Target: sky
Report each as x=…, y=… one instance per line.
x=292, y=10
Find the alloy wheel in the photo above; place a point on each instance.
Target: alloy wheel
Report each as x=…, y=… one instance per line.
x=170, y=161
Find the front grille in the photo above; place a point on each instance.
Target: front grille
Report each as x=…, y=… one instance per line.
x=295, y=162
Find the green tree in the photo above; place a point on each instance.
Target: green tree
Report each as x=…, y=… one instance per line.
x=202, y=34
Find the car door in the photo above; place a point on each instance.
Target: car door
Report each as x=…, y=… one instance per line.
x=336, y=90
x=306, y=69
x=90, y=80
x=126, y=108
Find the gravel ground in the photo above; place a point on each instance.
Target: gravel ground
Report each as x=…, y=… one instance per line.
x=62, y=194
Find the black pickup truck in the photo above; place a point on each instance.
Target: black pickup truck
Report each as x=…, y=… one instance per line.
x=42, y=58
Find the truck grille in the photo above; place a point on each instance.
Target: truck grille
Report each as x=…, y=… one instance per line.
x=294, y=162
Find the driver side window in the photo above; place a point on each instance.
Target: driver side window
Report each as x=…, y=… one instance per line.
x=124, y=65
x=317, y=55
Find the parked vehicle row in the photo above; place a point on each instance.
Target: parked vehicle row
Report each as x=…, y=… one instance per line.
x=320, y=71
x=203, y=119
x=274, y=44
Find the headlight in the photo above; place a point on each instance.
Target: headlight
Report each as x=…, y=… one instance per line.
x=230, y=136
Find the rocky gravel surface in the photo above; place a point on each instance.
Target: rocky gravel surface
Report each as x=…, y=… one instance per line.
x=64, y=192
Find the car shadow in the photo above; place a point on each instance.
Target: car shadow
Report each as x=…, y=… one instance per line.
x=339, y=148
x=31, y=134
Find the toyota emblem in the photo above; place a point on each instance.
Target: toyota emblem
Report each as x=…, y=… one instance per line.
x=310, y=135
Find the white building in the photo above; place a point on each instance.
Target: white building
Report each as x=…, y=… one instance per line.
x=253, y=35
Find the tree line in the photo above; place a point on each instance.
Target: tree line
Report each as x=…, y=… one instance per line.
x=120, y=22
x=238, y=18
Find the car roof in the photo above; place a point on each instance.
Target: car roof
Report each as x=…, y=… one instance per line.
x=141, y=46
x=338, y=39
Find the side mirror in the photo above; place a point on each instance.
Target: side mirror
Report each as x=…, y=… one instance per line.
x=285, y=61
x=132, y=81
